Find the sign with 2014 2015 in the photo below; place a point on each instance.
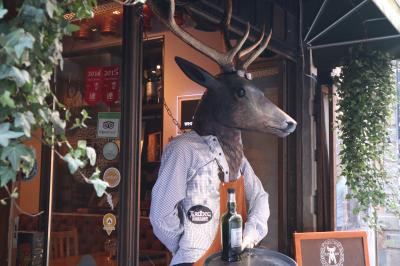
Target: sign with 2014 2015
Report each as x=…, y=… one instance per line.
x=108, y=124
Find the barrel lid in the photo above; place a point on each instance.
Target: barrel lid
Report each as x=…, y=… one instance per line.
x=255, y=256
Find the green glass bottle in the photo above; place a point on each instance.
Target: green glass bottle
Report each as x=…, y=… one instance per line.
x=231, y=230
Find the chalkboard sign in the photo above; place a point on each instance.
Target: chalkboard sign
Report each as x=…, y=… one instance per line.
x=187, y=105
x=345, y=248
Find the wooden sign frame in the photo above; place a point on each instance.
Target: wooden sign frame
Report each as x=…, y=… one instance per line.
x=298, y=237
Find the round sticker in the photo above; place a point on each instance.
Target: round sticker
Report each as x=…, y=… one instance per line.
x=112, y=176
x=110, y=151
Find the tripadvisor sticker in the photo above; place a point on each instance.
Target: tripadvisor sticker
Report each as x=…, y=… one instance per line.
x=109, y=222
x=112, y=176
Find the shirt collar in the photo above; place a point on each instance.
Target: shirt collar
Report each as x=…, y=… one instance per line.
x=218, y=154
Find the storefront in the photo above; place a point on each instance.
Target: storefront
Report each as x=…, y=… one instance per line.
x=120, y=68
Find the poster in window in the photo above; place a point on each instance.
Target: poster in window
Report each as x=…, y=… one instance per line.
x=111, y=84
x=93, y=85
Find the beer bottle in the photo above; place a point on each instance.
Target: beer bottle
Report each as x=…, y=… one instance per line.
x=231, y=230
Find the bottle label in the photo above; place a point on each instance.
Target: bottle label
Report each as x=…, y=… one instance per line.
x=236, y=237
x=231, y=197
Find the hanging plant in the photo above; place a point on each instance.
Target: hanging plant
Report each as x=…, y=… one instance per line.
x=366, y=95
x=30, y=49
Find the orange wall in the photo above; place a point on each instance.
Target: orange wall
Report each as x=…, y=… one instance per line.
x=175, y=82
x=29, y=190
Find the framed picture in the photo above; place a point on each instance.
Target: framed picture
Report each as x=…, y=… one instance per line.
x=332, y=248
x=187, y=105
x=154, y=147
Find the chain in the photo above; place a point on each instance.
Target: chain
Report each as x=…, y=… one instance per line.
x=174, y=121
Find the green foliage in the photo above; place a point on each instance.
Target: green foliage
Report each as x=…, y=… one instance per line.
x=366, y=95
x=30, y=49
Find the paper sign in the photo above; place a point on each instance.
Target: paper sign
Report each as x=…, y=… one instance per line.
x=108, y=124
x=112, y=176
x=93, y=85
x=111, y=84
x=109, y=222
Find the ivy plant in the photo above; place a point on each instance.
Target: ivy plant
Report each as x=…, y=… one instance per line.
x=366, y=94
x=30, y=49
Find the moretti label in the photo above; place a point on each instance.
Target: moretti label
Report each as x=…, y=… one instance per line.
x=199, y=214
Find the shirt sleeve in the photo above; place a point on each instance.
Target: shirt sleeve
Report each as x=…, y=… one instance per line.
x=256, y=226
x=168, y=191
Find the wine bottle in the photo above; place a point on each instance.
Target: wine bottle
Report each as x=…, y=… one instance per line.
x=231, y=230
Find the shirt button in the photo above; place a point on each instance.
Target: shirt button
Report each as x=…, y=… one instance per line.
x=214, y=139
x=220, y=154
x=226, y=172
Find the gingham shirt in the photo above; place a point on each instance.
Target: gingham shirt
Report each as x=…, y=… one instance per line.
x=188, y=177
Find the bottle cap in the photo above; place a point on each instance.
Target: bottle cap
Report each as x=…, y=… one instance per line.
x=231, y=190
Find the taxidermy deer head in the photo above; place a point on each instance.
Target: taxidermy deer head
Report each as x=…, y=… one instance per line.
x=232, y=101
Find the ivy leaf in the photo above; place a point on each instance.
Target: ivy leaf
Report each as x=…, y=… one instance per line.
x=45, y=113
x=17, y=41
x=99, y=185
x=24, y=121
x=6, y=100
x=3, y=11
x=85, y=116
x=7, y=174
x=6, y=134
x=91, y=154
x=14, y=154
x=73, y=163
x=20, y=76
x=25, y=41
x=57, y=121
x=50, y=8
x=82, y=144
x=72, y=27
x=33, y=14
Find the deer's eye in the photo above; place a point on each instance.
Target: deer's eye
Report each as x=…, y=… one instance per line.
x=240, y=92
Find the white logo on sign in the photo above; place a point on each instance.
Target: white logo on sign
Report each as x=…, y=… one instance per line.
x=331, y=253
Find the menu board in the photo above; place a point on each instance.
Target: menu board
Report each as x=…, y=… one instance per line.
x=344, y=248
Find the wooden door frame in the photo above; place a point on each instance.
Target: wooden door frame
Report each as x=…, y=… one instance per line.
x=289, y=150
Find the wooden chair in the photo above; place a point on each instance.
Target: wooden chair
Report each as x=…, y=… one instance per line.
x=64, y=244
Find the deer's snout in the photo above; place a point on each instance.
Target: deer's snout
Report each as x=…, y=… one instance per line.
x=291, y=126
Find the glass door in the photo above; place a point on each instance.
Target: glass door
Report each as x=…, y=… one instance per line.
x=83, y=225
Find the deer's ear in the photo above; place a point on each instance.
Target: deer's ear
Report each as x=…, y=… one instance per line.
x=196, y=73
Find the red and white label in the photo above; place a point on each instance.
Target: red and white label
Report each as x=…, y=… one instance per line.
x=94, y=85
x=111, y=84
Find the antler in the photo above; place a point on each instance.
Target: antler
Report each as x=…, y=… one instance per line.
x=224, y=60
x=225, y=28
x=253, y=56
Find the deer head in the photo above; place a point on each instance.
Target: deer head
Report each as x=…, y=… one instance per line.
x=232, y=99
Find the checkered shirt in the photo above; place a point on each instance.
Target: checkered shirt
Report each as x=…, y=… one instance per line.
x=188, y=177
